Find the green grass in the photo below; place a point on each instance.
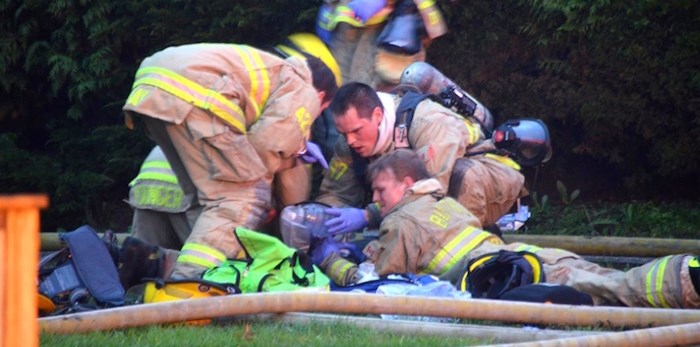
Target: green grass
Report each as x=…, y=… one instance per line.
x=262, y=334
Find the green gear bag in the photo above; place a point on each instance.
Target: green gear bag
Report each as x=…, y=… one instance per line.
x=269, y=266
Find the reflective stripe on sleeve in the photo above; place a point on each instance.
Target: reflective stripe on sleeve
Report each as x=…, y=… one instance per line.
x=193, y=93
x=464, y=243
x=201, y=255
x=339, y=269
x=158, y=170
x=259, y=78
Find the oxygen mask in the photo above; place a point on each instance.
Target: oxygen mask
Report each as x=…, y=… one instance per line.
x=301, y=223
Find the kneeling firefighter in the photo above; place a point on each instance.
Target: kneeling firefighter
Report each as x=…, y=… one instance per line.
x=494, y=162
x=294, y=185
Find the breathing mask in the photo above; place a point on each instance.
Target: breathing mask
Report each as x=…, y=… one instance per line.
x=301, y=223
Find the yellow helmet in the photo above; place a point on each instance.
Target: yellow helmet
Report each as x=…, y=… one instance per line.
x=299, y=43
x=163, y=291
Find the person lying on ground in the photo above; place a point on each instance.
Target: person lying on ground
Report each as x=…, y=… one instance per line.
x=424, y=232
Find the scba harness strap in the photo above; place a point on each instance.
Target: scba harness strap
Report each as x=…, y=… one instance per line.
x=404, y=116
x=493, y=274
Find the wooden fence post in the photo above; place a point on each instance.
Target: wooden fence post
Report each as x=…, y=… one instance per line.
x=19, y=260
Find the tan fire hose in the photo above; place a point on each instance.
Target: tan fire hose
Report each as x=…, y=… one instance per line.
x=51, y=241
x=360, y=303
x=674, y=335
x=497, y=334
x=615, y=246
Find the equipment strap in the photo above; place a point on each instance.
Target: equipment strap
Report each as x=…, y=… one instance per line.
x=404, y=116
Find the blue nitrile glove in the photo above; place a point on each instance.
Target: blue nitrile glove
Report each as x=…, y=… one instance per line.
x=365, y=9
x=313, y=154
x=329, y=246
x=346, y=220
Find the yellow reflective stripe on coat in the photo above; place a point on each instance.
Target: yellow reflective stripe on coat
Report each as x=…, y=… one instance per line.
x=503, y=160
x=654, y=284
x=157, y=170
x=473, y=130
x=165, y=195
x=259, y=78
x=193, y=93
x=201, y=255
x=464, y=243
x=156, y=176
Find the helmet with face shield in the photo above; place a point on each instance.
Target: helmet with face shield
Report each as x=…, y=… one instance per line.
x=527, y=140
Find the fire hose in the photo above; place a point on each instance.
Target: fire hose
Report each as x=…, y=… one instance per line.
x=360, y=303
x=613, y=246
x=675, y=335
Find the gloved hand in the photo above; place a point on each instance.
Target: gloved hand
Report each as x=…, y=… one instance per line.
x=365, y=9
x=352, y=253
x=346, y=220
x=312, y=154
x=328, y=246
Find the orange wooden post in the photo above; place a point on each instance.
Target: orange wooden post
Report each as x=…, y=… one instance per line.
x=19, y=261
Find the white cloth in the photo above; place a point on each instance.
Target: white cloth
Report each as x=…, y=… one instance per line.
x=386, y=127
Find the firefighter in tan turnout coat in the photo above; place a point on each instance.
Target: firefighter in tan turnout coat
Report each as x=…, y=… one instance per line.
x=228, y=117
x=424, y=232
x=367, y=120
